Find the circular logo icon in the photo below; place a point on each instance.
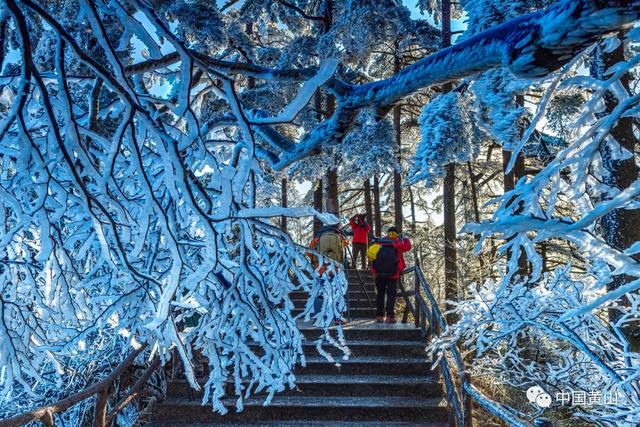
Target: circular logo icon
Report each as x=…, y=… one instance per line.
x=538, y=396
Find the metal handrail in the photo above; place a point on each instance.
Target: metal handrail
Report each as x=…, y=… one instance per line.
x=459, y=398
x=101, y=389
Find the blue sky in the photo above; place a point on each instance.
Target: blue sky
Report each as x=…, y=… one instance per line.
x=411, y=5
x=456, y=25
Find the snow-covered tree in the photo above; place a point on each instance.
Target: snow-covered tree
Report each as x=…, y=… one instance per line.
x=553, y=329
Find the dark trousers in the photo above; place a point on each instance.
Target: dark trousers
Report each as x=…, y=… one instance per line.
x=386, y=288
x=360, y=250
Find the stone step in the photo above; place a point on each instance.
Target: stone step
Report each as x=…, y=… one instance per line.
x=361, y=303
x=364, y=348
x=370, y=348
x=360, y=294
x=353, y=291
x=363, y=352
x=323, y=408
x=376, y=365
x=356, y=292
x=367, y=329
x=354, y=281
x=353, y=312
x=351, y=272
x=359, y=287
x=339, y=385
x=301, y=422
x=352, y=302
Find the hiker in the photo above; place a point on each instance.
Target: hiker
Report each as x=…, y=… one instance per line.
x=387, y=265
x=360, y=241
x=331, y=243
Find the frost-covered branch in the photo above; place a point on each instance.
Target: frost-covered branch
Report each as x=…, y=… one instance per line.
x=118, y=218
x=531, y=46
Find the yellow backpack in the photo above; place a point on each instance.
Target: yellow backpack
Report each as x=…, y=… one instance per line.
x=372, y=253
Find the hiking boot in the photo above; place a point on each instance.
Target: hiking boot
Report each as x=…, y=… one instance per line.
x=380, y=319
x=391, y=320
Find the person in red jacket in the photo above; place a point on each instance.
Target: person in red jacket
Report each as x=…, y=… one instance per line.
x=360, y=240
x=387, y=266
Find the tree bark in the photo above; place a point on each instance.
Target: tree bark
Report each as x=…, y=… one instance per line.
x=376, y=206
x=509, y=183
x=449, y=198
x=450, y=255
x=516, y=173
x=317, y=205
x=476, y=212
x=333, y=201
x=285, y=202
x=368, y=205
x=397, y=173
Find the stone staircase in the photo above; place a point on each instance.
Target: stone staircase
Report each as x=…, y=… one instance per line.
x=361, y=286
x=385, y=382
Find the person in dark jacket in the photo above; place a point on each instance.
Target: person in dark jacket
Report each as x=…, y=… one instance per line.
x=387, y=265
x=360, y=242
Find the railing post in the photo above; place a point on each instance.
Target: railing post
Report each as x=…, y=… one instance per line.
x=416, y=290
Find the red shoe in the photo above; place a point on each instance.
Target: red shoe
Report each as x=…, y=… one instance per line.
x=391, y=320
x=339, y=322
x=380, y=319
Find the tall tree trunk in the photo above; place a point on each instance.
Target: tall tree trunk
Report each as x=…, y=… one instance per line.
x=319, y=190
x=368, y=205
x=397, y=174
x=285, y=202
x=449, y=198
x=414, y=225
x=414, y=221
x=332, y=203
x=516, y=173
x=332, y=200
x=317, y=205
x=476, y=213
x=376, y=206
x=450, y=255
x=620, y=228
x=509, y=183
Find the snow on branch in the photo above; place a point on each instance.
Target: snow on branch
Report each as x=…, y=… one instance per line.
x=582, y=317
x=448, y=135
x=308, y=89
x=531, y=46
x=119, y=222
